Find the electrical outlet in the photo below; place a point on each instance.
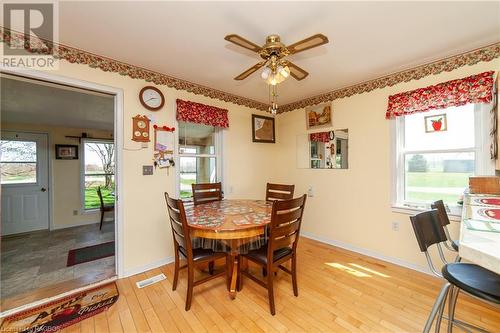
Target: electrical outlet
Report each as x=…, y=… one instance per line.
x=395, y=226
x=310, y=192
x=147, y=170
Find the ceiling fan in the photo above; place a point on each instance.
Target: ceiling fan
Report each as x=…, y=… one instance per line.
x=274, y=53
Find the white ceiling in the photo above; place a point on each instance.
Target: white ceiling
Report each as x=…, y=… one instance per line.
x=367, y=39
x=31, y=102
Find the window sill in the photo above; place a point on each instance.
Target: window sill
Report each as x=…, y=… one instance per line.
x=402, y=209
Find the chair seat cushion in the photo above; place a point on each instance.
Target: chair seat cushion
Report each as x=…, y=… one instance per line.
x=455, y=244
x=201, y=254
x=474, y=280
x=260, y=255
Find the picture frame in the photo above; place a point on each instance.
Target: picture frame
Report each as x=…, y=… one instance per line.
x=436, y=123
x=319, y=116
x=263, y=129
x=66, y=152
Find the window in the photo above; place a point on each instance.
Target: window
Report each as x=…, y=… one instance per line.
x=436, y=164
x=18, y=162
x=199, y=156
x=98, y=171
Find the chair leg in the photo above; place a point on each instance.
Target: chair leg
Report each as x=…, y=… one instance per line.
x=439, y=317
x=451, y=307
x=211, y=268
x=189, y=295
x=270, y=291
x=294, y=276
x=264, y=272
x=437, y=306
x=102, y=219
x=176, y=270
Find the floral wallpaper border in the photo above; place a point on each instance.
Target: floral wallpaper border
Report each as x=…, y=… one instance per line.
x=486, y=54
x=74, y=55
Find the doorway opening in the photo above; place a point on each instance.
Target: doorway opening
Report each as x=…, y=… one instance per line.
x=59, y=190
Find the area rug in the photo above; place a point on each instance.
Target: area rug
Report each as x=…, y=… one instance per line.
x=63, y=312
x=90, y=253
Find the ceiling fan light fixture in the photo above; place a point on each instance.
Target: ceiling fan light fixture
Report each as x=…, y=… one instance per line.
x=284, y=71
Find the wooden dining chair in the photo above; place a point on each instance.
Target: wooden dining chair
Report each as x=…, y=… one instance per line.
x=206, y=192
x=183, y=246
x=279, y=192
x=284, y=229
x=104, y=208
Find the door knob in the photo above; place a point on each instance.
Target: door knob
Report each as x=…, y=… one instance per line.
x=43, y=189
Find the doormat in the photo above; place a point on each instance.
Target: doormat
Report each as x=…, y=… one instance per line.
x=63, y=312
x=90, y=253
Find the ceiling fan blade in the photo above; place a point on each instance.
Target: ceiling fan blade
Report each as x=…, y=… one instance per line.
x=296, y=72
x=308, y=43
x=240, y=41
x=250, y=71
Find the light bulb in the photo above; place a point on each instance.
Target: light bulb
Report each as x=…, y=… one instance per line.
x=284, y=71
x=265, y=73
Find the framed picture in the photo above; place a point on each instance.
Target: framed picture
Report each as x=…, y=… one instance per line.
x=263, y=129
x=66, y=152
x=436, y=123
x=319, y=116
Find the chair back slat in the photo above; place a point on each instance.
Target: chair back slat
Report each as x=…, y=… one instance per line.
x=428, y=229
x=441, y=209
x=284, y=229
x=206, y=192
x=279, y=192
x=178, y=223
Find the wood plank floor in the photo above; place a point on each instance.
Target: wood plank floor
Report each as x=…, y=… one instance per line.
x=339, y=291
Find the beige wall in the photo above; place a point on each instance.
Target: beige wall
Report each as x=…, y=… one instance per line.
x=65, y=174
x=353, y=206
x=146, y=232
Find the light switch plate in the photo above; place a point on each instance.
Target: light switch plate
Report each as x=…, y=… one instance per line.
x=147, y=170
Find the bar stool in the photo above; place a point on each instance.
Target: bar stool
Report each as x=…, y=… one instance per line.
x=452, y=244
x=469, y=278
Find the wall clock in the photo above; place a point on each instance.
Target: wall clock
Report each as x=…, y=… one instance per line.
x=151, y=98
x=140, y=128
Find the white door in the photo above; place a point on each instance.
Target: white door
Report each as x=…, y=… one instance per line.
x=24, y=179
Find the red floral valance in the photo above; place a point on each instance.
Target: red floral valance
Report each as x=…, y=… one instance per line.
x=201, y=114
x=320, y=137
x=473, y=89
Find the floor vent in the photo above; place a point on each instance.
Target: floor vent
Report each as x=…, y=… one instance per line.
x=150, y=281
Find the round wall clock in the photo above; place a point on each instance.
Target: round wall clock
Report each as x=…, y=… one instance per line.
x=151, y=98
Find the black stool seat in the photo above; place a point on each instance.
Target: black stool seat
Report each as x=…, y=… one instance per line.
x=474, y=280
x=455, y=244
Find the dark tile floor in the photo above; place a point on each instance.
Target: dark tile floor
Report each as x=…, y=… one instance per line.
x=38, y=259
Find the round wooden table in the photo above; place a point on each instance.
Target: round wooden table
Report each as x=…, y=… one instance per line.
x=238, y=224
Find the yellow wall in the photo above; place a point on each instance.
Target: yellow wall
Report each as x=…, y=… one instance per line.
x=353, y=207
x=65, y=175
x=147, y=235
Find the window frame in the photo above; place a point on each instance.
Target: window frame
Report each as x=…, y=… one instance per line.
x=36, y=162
x=83, y=174
x=483, y=165
x=218, y=146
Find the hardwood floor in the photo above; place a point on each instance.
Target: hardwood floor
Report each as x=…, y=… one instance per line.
x=339, y=291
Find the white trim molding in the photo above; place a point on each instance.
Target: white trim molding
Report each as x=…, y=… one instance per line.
x=368, y=253
x=147, y=267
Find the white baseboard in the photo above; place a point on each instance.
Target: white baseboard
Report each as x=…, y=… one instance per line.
x=147, y=267
x=368, y=253
x=64, y=226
